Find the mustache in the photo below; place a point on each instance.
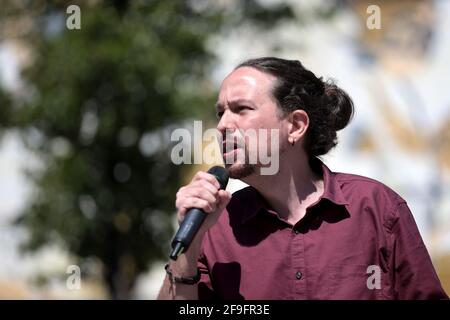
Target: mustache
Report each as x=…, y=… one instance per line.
x=230, y=143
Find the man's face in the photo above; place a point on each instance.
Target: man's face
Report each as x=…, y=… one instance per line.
x=246, y=105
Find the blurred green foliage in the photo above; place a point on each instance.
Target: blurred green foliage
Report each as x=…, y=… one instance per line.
x=100, y=102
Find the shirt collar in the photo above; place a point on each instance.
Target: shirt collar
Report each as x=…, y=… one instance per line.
x=332, y=186
x=254, y=202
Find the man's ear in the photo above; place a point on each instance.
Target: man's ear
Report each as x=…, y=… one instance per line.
x=299, y=124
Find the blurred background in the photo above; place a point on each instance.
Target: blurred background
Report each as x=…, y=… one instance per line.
x=86, y=115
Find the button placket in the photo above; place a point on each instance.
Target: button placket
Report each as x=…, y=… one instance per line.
x=298, y=264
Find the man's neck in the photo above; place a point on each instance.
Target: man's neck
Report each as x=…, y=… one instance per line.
x=291, y=191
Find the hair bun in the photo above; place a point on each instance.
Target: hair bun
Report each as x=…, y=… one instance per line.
x=340, y=104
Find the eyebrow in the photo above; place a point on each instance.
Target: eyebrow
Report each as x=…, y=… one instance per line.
x=220, y=105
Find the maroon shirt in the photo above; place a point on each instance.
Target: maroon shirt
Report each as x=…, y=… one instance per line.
x=358, y=230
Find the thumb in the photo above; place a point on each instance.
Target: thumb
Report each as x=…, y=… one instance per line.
x=224, y=199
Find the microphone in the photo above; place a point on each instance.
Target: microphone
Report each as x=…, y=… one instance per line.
x=194, y=218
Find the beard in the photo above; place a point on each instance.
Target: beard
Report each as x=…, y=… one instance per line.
x=239, y=170
x=238, y=166
x=246, y=161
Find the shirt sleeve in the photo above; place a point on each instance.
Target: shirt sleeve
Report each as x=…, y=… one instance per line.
x=414, y=276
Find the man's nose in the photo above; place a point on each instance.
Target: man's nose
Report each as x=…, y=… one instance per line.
x=226, y=122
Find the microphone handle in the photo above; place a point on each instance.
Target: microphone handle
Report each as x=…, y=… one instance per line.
x=188, y=229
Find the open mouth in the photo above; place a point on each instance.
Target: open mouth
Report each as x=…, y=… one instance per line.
x=232, y=151
x=229, y=147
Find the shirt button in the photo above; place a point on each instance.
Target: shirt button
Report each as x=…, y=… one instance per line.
x=296, y=231
x=298, y=275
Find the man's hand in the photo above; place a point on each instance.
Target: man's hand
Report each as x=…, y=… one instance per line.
x=203, y=192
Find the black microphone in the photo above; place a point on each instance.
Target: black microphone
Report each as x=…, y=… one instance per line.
x=194, y=218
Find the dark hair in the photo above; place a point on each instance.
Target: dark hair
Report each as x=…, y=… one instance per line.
x=329, y=108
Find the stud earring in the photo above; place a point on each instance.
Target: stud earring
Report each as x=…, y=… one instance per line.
x=292, y=141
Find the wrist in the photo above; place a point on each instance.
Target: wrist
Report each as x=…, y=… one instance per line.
x=186, y=264
x=190, y=280
x=194, y=250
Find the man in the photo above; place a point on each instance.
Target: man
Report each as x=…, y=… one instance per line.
x=304, y=232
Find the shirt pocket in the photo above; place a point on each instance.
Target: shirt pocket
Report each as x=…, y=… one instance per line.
x=354, y=282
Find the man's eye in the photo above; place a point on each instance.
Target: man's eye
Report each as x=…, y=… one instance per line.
x=219, y=114
x=241, y=108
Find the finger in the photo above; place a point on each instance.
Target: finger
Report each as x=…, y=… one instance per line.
x=207, y=185
x=201, y=193
x=224, y=198
x=193, y=202
x=208, y=177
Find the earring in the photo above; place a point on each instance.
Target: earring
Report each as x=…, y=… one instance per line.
x=291, y=141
